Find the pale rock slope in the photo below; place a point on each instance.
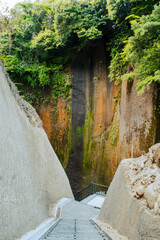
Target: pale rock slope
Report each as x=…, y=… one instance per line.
x=132, y=204
x=31, y=176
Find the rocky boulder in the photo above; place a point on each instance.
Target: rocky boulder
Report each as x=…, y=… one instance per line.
x=132, y=204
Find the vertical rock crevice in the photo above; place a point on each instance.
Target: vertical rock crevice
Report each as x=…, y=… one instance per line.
x=74, y=166
x=92, y=113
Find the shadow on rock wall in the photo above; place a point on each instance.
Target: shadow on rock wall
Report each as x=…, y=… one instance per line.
x=103, y=123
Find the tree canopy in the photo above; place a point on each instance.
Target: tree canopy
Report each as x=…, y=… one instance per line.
x=38, y=39
x=142, y=50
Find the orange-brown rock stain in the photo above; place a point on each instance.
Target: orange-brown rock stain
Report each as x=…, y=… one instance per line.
x=56, y=121
x=99, y=108
x=97, y=148
x=44, y=113
x=62, y=119
x=104, y=146
x=103, y=93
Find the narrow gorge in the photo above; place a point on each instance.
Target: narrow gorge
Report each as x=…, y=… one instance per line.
x=91, y=70
x=101, y=123
x=80, y=104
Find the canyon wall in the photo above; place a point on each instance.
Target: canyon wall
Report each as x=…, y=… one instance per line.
x=104, y=123
x=31, y=177
x=57, y=123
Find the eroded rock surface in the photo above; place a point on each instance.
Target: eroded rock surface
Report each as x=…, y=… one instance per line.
x=144, y=175
x=132, y=204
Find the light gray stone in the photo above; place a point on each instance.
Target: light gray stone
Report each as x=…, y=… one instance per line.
x=156, y=208
x=140, y=191
x=125, y=213
x=32, y=177
x=150, y=196
x=158, y=201
x=154, y=171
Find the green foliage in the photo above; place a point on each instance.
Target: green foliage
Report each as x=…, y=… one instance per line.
x=34, y=97
x=43, y=75
x=143, y=49
x=11, y=63
x=20, y=60
x=66, y=16
x=119, y=9
x=90, y=33
x=38, y=39
x=143, y=7
x=79, y=20
x=44, y=40
x=135, y=41
x=61, y=83
x=117, y=64
x=79, y=133
x=30, y=74
x=117, y=68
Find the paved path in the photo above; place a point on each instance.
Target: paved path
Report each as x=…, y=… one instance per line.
x=95, y=200
x=75, y=224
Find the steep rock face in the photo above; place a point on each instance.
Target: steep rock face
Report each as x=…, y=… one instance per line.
x=92, y=112
x=127, y=207
x=137, y=119
x=99, y=116
x=56, y=118
x=103, y=123
x=130, y=132
x=133, y=128
x=31, y=177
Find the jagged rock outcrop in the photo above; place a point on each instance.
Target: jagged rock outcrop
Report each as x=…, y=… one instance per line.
x=31, y=177
x=132, y=204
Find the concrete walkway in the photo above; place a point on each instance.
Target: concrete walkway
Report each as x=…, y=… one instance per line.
x=94, y=200
x=75, y=224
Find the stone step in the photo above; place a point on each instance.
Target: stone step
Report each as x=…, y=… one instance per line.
x=75, y=224
x=74, y=229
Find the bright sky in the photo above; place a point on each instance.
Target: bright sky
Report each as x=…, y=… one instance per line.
x=10, y=3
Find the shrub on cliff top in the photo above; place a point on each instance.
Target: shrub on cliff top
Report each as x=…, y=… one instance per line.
x=142, y=50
